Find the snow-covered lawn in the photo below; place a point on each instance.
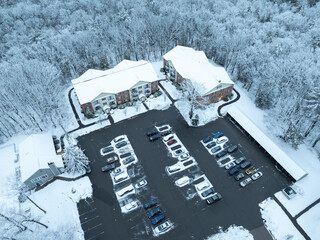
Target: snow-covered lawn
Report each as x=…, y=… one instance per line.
x=89, y=129
x=157, y=66
x=232, y=233
x=161, y=102
x=71, y=123
x=128, y=112
x=310, y=222
x=171, y=89
x=277, y=222
x=60, y=204
x=205, y=115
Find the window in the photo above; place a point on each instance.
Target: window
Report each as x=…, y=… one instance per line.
x=140, y=92
x=126, y=100
x=37, y=179
x=104, y=99
x=125, y=96
x=96, y=102
x=119, y=98
x=220, y=94
x=154, y=86
x=104, y=103
x=146, y=86
x=110, y=98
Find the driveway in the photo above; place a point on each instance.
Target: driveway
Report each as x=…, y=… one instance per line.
x=193, y=219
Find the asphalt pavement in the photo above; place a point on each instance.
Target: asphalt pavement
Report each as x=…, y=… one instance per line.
x=192, y=218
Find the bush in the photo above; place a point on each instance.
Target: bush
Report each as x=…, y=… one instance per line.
x=121, y=106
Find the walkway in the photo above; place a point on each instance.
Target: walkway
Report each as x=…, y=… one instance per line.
x=74, y=109
x=228, y=103
x=163, y=89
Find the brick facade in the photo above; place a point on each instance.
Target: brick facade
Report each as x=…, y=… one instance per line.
x=85, y=106
x=219, y=95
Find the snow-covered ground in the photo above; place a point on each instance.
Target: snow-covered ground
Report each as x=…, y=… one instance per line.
x=128, y=112
x=232, y=233
x=310, y=222
x=157, y=66
x=89, y=129
x=171, y=89
x=60, y=204
x=277, y=222
x=161, y=102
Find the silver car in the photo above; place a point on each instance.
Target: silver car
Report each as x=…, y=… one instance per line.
x=245, y=182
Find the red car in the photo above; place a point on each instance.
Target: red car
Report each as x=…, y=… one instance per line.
x=173, y=141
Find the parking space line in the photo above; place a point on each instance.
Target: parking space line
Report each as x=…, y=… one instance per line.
x=92, y=210
x=89, y=219
x=95, y=236
x=89, y=229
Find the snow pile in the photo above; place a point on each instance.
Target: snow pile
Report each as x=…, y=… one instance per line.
x=159, y=103
x=172, y=90
x=310, y=222
x=277, y=222
x=128, y=112
x=205, y=115
x=233, y=232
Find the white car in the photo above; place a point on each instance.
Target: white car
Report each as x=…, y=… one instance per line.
x=182, y=181
x=183, y=156
x=168, y=137
x=173, y=169
x=256, y=176
x=117, y=171
x=245, y=182
x=163, y=228
x=131, y=206
x=141, y=183
x=125, y=191
x=121, y=177
x=202, y=186
x=119, y=138
x=222, y=140
x=229, y=165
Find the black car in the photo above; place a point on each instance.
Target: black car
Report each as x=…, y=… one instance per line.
x=214, y=198
x=153, y=212
x=239, y=176
x=207, y=192
x=221, y=154
x=165, y=133
x=154, y=137
x=108, y=167
x=245, y=164
x=232, y=149
x=207, y=139
x=151, y=203
x=128, y=160
x=152, y=132
x=125, y=155
x=210, y=145
x=234, y=170
x=121, y=144
x=107, y=149
x=215, y=149
x=176, y=147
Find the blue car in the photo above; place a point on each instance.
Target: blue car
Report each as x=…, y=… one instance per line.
x=207, y=139
x=234, y=170
x=153, y=212
x=215, y=149
x=157, y=219
x=150, y=203
x=210, y=145
x=217, y=135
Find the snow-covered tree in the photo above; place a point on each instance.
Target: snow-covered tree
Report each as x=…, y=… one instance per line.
x=75, y=160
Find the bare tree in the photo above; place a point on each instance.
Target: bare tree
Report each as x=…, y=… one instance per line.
x=76, y=161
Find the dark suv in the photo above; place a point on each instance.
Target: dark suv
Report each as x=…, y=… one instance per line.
x=221, y=154
x=121, y=144
x=154, y=137
x=207, y=192
x=151, y=132
x=232, y=149
x=151, y=203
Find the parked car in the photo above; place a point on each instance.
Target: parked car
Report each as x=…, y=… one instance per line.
x=122, y=192
x=151, y=132
x=176, y=147
x=106, y=150
x=182, y=181
x=173, y=141
x=121, y=144
x=108, y=167
x=128, y=160
x=183, y=156
x=178, y=152
x=222, y=140
x=168, y=137
x=153, y=212
x=245, y=164
x=234, y=170
x=208, y=192
x=240, y=160
x=151, y=203
x=217, y=135
x=112, y=159
x=165, y=133
x=239, y=176
x=121, y=177
x=157, y=219
x=117, y=171
x=163, y=228
x=174, y=168
x=229, y=165
x=214, y=198
x=124, y=150
x=187, y=163
x=130, y=206
x=210, y=145
x=118, y=139
x=221, y=154
x=256, y=176
x=251, y=170
x=141, y=183
x=207, y=139
x=154, y=137
x=245, y=182
x=202, y=186
x=164, y=128
x=289, y=192
x=125, y=155
x=232, y=149
x=216, y=149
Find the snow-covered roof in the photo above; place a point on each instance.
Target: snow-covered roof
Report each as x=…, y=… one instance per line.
x=194, y=65
x=35, y=152
x=120, y=78
x=276, y=152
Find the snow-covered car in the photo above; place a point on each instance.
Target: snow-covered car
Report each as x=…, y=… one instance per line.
x=141, y=183
x=289, y=192
x=108, y=167
x=229, y=165
x=128, y=160
x=183, y=156
x=178, y=152
x=119, y=138
x=125, y=191
x=105, y=150
x=121, y=177
x=182, y=181
x=240, y=160
x=112, y=159
x=117, y=171
x=173, y=168
x=232, y=149
x=256, y=176
x=168, y=137
x=131, y=206
x=222, y=140
x=124, y=150
x=163, y=228
x=245, y=182
x=202, y=186
x=216, y=149
x=121, y=144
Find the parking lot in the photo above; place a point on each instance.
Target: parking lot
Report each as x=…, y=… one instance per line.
x=192, y=217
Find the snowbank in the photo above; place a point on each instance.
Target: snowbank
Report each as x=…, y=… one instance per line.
x=158, y=103
x=128, y=112
x=233, y=232
x=277, y=222
x=310, y=222
x=171, y=89
x=89, y=129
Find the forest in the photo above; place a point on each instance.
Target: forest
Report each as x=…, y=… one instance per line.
x=270, y=48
